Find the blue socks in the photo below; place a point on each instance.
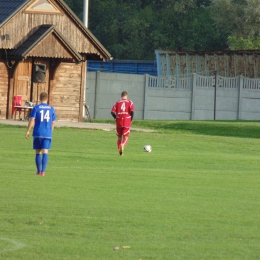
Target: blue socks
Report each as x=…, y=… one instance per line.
x=44, y=161
x=41, y=162
x=38, y=161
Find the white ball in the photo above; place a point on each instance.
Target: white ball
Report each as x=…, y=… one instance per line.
x=147, y=148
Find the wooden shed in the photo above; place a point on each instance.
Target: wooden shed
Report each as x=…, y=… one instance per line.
x=45, y=36
x=227, y=63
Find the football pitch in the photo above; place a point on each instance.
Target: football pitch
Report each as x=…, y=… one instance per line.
x=195, y=196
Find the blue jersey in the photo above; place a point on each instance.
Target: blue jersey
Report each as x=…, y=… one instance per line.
x=44, y=116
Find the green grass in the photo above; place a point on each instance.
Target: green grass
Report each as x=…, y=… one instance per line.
x=196, y=196
x=216, y=128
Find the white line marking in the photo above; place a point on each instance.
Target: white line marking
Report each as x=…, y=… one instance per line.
x=15, y=245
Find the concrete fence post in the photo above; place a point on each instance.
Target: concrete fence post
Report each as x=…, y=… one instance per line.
x=215, y=93
x=193, y=95
x=240, y=89
x=146, y=80
x=97, y=83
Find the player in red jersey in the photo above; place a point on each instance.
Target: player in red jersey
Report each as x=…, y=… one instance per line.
x=123, y=113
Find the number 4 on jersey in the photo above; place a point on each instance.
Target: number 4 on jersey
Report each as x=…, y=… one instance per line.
x=45, y=116
x=123, y=107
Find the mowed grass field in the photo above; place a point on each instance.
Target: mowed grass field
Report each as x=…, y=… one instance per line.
x=196, y=196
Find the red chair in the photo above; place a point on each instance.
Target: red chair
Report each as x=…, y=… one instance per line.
x=17, y=101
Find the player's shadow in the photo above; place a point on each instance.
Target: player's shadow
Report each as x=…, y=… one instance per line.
x=240, y=129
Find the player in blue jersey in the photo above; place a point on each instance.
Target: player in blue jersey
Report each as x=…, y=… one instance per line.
x=43, y=118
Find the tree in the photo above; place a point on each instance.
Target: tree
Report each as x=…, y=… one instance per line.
x=249, y=43
x=135, y=29
x=190, y=26
x=238, y=21
x=76, y=6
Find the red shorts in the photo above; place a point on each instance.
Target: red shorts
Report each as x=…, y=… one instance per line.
x=123, y=131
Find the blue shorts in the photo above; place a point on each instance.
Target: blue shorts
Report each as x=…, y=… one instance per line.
x=41, y=143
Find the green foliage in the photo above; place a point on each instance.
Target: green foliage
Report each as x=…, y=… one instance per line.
x=196, y=196
x=250, y=43
x=238, y=21
x=138, y=32
x=135, y=29
x=76, y=6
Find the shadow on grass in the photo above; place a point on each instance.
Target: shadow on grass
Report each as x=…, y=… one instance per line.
x=244, y=129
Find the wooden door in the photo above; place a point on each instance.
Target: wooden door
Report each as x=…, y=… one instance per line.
x=38, y=88
x=23, y=84
x=22, y=80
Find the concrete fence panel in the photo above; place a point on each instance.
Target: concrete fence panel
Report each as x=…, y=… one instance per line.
x=203, y=103
x=227, y=103
x=90, y=92
x=251, y=105
x=170, y=98
x=168, y=104
x=250, y=94
x=104, y=89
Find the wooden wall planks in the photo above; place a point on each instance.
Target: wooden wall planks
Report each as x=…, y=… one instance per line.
x=3, y=89
x=66, y=91
x=51, y=48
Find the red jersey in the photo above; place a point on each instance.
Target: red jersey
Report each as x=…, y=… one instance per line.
x=122, y=109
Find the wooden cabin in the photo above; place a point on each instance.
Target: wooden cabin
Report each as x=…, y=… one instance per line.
x=44, y=47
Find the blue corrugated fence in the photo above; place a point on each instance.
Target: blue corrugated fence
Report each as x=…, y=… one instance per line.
x=124, y=66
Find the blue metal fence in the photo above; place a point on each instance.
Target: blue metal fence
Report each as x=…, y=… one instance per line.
x=124, y=66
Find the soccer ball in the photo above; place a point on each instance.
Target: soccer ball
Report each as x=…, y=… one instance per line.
x=147, y=148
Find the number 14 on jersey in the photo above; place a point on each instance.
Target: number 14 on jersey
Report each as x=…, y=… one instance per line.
x=45, y=115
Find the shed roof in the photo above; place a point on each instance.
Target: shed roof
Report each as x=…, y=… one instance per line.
x=8, y=8
x=25, y=49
